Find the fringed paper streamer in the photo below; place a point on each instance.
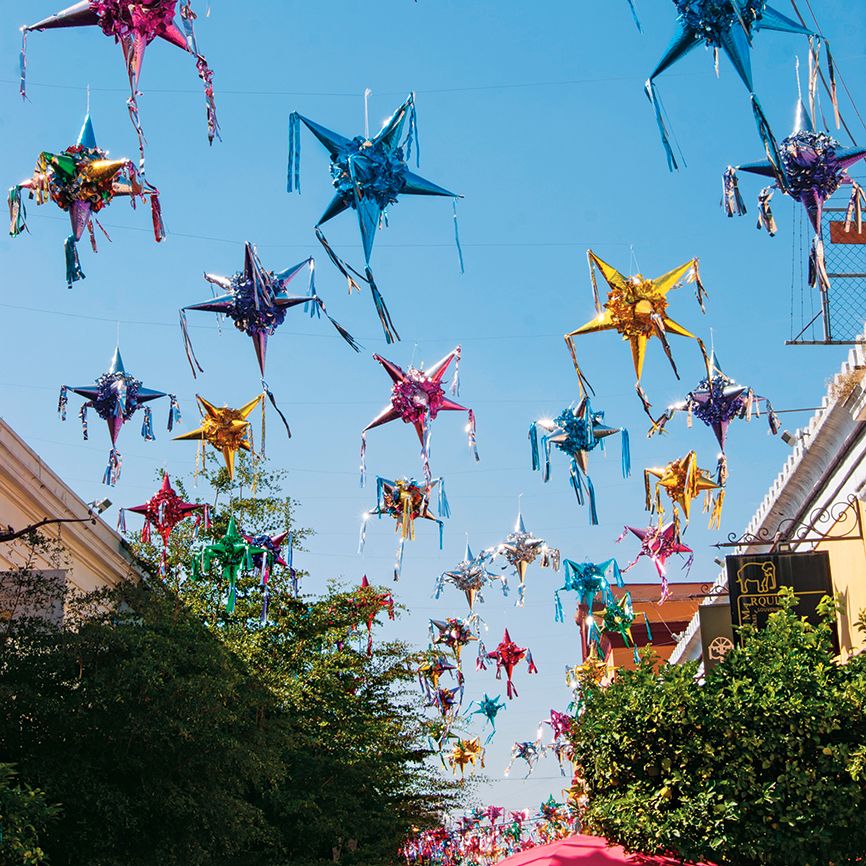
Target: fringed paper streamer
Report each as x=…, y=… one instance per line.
x=82, y=416
x=62, y=402
x=767, y=137
x=426, y=431
x=558, y=614
x=732, y=200
x=773, y=420
x=398, y=562
x=855, y=208
x=273, y=401
x=454, y=388
x=194, y=364
x=441, y=532
x=17, y=212
x=583, y=382
x=132, y=107
x=634, y=15
x=442, y=506
x=232, y=597
x=716, y=503
x=147, y=425
x=626, y=452
x=817, y=266
x=533, y=668
x=363, y=478
x=293, y=172
x=722, y=469
x=320, y=306
x=457, y=237
x=146, y=532
x=156, y=216
x=22, y=65
x=174, y=416
x=121, y=520
x=533, y=446
x=652, y=95
x=362, y=540
x=412, y=135
x=73, y=265
x=700, y=292
x=266, y=597
x=384, y=316
x=472, y=435
x=766, y=220
x=112, y=470
x=205, y=73
x=481, y=656
x=593, y=513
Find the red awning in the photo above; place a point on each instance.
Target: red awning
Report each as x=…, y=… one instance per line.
x=583, y=851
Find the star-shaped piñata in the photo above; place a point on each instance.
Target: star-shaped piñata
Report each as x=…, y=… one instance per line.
x=116, y=396
x=529, y=751
x=717, y=401
x=576, y=431
x=163, y=511
x=82, y=180
x=489, y=708
x=405, y=501
x=368, y=174
x=507, y=656
x=375, y=601
x=431, y=669
x=228, y=430
x=520, y=549
x=618, y=617
x=636, y=308
x=272, y=545
x=256, y=300
x=728, y=25
x=588, y=580
x=235, y=557
x=813, y=166
x=417, y=397
x=134, y=24
x=683, y=480
x=659, y=543
x=465, y=753
x=453, y=633
x=469, y=576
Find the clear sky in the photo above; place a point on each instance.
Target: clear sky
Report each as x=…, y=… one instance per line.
x=535, y=113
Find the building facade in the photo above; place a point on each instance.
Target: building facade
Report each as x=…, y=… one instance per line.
x=94, y=555
x=817, y=502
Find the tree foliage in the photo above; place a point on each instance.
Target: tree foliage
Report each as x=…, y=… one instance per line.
x=24, y=815
x=763, y=763
x=173, y=733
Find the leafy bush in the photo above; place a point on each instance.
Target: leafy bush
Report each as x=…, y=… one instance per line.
x=764, y=763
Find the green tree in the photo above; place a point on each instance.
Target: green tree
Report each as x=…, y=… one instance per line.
x=761, y=764
x=172, y=732
x=24, y=815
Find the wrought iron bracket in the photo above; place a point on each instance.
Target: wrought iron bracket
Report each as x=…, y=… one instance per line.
x=843, y=522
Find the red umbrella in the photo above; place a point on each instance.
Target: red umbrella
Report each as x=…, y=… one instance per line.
x=583, y=851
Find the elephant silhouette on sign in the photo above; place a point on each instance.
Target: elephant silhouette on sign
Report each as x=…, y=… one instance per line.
x=760, y=575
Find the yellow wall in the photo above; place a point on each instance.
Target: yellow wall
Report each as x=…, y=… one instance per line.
x=848, y=567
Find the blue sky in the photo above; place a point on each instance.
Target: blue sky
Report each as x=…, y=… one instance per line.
x=537, y=116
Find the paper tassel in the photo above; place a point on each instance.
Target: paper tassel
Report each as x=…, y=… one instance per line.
x=652, y=95
x=363, y=478
x=121, y=520
x=362, y=540
x=732, y=200
x=273, y=401
x=73, y=265
x=773, y=419
x=62, y=402
x=593, y=513
x=233, y=594
x=558, y=614
x=194, y=364
x=626, y=453
x=533, y=669
x=145, y=532
x=854, y=210
x=174, y=416
x=722, y=469
x=156, y=217
x=147, y=425
x=293, y=174
x=412, y=134
x=82, y=416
